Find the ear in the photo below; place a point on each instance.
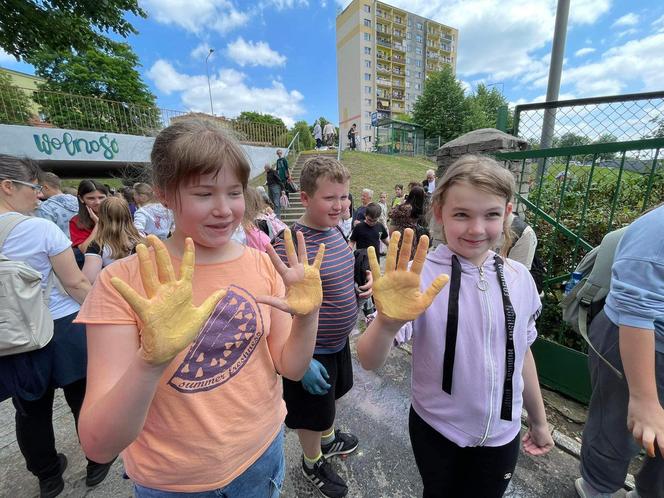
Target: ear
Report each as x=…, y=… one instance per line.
x=7, y=186
x=508, y=209
x=304, y=197
x=438, y=214
x=159, y=195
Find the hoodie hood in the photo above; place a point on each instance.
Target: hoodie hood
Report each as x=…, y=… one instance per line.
x=67, y=202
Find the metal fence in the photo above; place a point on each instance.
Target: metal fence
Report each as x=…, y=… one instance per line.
x=615, y=118
x=584, y=192
x=25, y=106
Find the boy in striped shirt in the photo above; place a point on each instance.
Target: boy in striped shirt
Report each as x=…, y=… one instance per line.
x=324, y=185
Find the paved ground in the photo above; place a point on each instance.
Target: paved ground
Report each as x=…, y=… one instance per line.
x=375, y=410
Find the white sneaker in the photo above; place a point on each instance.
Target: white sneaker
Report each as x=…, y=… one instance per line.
x=585, y=490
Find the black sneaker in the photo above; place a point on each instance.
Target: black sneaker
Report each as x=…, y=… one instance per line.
x=343, y=444
x=96, y=472
x=53, y=486
x=326, y=480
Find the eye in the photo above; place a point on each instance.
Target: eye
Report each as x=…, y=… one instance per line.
x=236, y=194
x=202, y=194
x=460, y=215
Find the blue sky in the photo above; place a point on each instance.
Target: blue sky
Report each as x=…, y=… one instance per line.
x=278, y=56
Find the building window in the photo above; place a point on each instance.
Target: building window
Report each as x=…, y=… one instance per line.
x=367, y=89
x=418, y=50
x=418, y=75
x=409, y=47
x=367, y=8
x=407, y=72
x=407, y=84
x=367, y=23
x=408, y=60
x=408, y=36
x=419, y=26
x=367, y=77
x=408, y=96
x=367, y=50
x=418, y=86
x=418, y=63
x=367, y=37
x=367, y=63
x=367, y=102
x=410, y=23
x=418, y=38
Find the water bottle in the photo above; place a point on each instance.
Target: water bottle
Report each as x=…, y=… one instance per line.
x=571, y=283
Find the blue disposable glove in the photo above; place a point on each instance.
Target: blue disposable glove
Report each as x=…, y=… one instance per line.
x=314, y=380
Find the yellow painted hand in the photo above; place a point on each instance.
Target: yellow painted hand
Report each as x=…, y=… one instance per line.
x=397, y=293
x=170, y=321
x=304, y=290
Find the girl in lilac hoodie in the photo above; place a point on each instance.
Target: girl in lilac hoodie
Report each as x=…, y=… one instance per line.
x=472, y=368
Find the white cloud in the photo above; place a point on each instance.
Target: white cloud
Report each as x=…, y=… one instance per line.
x=197, y=16
x=584, y=51
x=231, y=93
x=658, y=24
x=630, y=63
x=284, y=4
x=248, y=53
x=6, y=58
x=627, y=20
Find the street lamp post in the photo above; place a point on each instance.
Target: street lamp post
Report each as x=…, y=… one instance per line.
x=207, y=70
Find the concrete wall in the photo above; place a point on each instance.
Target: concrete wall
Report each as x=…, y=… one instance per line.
x=96, y=152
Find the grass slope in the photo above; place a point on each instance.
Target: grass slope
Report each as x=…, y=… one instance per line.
x=377, y=172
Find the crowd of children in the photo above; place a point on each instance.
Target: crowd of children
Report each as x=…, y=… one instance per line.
x=211, y=324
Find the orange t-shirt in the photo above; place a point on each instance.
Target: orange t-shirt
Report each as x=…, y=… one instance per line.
x=218, y=405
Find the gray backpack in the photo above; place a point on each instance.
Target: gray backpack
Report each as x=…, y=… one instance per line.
x=25, y=321
x=587, y=297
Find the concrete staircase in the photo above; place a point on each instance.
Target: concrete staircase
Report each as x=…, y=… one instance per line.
x=296, y=210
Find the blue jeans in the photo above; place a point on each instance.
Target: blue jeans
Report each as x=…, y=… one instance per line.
x=275, y=197
x=263, y=479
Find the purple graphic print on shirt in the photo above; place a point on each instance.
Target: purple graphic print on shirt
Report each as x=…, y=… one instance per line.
x=224, y=346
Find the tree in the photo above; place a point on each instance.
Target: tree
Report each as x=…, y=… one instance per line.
x=659, y=131
x=257, y=117
x=440, y=109
x=14, y=103
x=603, y=139
x=110, y=74
x=29, y=26
x=570, y=139
x=305, y=137
x=485, y=104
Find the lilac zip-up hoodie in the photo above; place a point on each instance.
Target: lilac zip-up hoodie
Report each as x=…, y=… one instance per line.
x=470, y=416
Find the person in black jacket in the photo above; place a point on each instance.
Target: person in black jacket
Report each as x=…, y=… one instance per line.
x=275, y=187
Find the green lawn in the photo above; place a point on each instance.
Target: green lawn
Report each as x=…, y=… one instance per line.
x=377, y=172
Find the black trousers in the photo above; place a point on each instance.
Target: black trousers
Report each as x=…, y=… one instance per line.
x=448, y=470
x=34, y=428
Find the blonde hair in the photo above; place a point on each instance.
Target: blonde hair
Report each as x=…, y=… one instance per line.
x=146, y=190
x=322, y=167
x=116, y=229
x=253, y=206
x=482, y=173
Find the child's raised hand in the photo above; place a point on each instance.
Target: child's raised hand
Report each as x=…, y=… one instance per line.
x=397, y=293
x=304, y=290
x=170, y=321
x=538, y=440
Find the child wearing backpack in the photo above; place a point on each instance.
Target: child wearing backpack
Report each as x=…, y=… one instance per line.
x=627, y=414
x=472, y=365
x=311, y=403
x=186, y=359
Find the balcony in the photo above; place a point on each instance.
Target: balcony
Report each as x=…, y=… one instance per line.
x=383, y=82
x=397, y=71
x=383, y=105
x=399, y=20
x=397, y=95
x=382, y=69
x=383, y=42
x=446, y=47
x=399, y=47
x=398, y=59
x=433, y=55
x=398, y=84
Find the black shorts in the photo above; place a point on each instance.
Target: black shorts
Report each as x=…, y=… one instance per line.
x=314, y=412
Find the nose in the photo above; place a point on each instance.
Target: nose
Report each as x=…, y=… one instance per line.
x=476, y=226
x=221, y=208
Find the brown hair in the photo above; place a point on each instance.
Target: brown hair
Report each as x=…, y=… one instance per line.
x=193, y=147
x=485, y=174
x=84, y=188
x=146, y=190
x=116, y=229
x=50, y=179
x=321, y=167
x=373, y=210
